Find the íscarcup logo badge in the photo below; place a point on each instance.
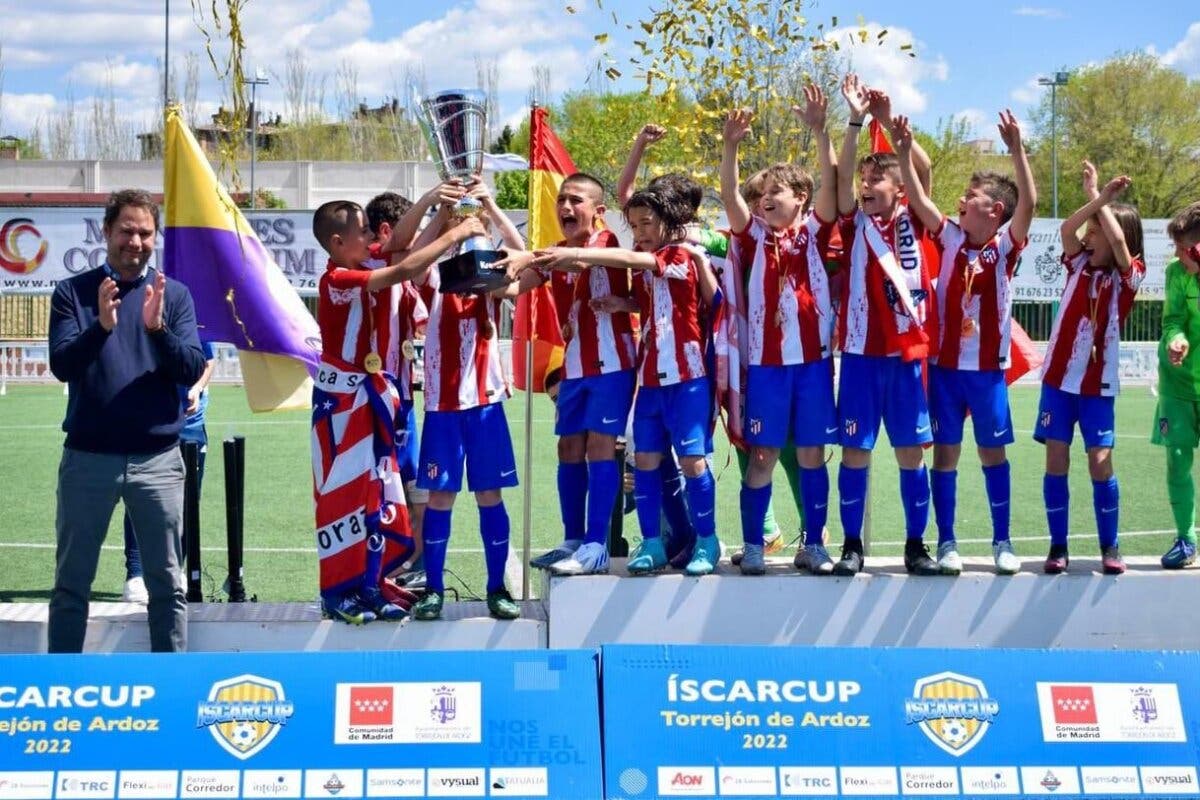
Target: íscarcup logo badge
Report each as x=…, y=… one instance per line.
x=244, y=714
x=953, y=710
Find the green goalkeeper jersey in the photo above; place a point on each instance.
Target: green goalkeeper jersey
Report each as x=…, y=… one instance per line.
x=1181, y=320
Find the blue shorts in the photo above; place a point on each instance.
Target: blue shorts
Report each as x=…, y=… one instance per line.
x=480, y=436
x=795, y=401
x=599, y=404
x=673, y=417
x=407, y=443
x=875, y=388
x=983, y=393
x=1059, y=411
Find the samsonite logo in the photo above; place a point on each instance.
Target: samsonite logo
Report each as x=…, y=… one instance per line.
x=687, y=781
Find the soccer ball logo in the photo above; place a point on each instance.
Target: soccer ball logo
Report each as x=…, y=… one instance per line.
x=244, y=735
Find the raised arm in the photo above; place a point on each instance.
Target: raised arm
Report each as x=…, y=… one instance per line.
x=918, y=201
x=737, y=127
x=444, y=194
x=847, y=167
x=1069, y=230
x=566, y=258
x=814, y=114
x=501, y=222
x=879, y=106
x=1111, y=228
x=1022, y=218
x=415, y=262
x=648, y=135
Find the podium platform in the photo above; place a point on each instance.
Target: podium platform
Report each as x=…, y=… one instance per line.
x=883, y=607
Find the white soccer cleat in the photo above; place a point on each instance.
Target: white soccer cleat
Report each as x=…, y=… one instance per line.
x=135, y=591
x=589, y=559
x=948, y=560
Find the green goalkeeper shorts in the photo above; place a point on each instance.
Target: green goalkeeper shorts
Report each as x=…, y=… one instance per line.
x=1176, y=423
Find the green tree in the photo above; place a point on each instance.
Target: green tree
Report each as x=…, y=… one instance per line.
x=953, y=158
x=1130, y=115
x=512, y=189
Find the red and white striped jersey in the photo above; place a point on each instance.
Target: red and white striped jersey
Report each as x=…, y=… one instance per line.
x=412, y=316
x=787, y=292
x=599, y=342
x=355, y=322
x=975, y=331
x=1082, y=357
x=668, y=297
x=462, y=364
x=868, y=297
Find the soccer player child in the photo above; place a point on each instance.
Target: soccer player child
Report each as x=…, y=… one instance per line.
x=673, y=405
x=789, y=395
x=1080, y=377
x=885, y=310
x=596, y=391
x=362, y=525
x=1177, y=420
x=384, y=213
x=464, y=421
x=979, y=255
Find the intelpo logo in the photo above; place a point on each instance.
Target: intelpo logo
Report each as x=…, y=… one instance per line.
x=272, y=783
x=990, y=780
x=952, y=710
x=244, y=714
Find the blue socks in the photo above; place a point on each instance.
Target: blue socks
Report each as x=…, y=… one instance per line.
x=852, y=488
x=1106, y=499
x=648, y=494
x=493, y=529
x=997, y=480
x=943, y=486
x=814, y=489
x=702, y=500
x=754, y=504
x=437, y=539
x=572, y=498
x=603, y=484
x=674, y=502
x=1057, y=495
x=914, y=495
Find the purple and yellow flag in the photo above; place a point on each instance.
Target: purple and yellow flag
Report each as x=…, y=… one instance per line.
x=241, y=295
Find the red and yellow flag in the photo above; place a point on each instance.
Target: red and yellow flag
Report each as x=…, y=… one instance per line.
x=536, y=317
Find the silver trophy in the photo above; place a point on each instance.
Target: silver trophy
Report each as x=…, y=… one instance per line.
x=455, y=124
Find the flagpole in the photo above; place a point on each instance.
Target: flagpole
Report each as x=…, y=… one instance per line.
x=527, y=498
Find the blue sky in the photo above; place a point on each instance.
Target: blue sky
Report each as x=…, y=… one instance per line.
x=973, y=58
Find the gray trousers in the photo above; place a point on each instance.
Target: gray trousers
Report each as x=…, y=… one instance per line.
x=151, y=487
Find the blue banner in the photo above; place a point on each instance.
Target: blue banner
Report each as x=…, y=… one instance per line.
x=690, y=721
x=345, y=725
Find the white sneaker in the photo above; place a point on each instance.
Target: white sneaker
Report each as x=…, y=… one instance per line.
x=948, y=560
x=1007, y=562
x=135, y=591
x=589, y=559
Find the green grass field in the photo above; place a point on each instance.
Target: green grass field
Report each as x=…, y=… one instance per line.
x=280, y=558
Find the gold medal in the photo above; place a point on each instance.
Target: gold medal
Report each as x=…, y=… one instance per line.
x=968, y=327
x=567, y=331
x=488, y=328
x=373, y=363
x=408, y=350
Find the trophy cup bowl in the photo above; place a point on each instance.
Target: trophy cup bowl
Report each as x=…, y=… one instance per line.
x=455, y=122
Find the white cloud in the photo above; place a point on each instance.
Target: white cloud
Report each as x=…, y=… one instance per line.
x=886, y=66
x=119, y=73
x=1029, y=92
x=976, y=119
x=1185, y=55
x=22, y=112
x=1044, y=13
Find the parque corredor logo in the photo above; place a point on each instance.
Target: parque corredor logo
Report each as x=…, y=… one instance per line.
x=12, y=257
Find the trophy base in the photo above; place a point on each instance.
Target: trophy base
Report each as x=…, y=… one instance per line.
x=470, y=273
